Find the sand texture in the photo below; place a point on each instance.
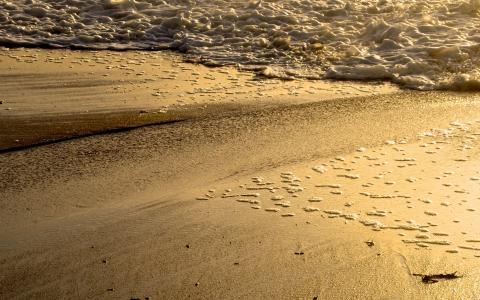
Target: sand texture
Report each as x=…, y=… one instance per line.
x=320, y=196
x=56, y=94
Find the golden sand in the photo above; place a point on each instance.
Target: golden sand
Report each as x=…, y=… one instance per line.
x=318, y=197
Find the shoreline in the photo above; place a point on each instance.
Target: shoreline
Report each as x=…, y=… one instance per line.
x=67, y=91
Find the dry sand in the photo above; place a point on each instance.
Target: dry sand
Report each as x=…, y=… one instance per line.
x=318, y=195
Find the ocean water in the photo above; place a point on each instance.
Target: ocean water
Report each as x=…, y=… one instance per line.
x=425, y=45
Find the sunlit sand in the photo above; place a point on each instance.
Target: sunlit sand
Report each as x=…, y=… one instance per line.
x=236, y=150
x=350, y=195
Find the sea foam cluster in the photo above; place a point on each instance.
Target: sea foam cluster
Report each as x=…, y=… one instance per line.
x=428, y=44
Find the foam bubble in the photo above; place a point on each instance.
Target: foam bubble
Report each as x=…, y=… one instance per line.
x=272, y=209
x=315, y=199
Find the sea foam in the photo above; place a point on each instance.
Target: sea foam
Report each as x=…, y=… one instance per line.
x=424, y=45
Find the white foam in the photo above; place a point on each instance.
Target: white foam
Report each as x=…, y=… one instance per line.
x=426, y=44
x=315, y=199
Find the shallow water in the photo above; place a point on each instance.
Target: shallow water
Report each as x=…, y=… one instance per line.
x=418, y=44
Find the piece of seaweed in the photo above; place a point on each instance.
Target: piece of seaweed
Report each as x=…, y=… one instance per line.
x=434, y=278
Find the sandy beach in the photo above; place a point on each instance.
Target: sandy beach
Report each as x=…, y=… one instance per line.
x=69, y=91
x=154, y=178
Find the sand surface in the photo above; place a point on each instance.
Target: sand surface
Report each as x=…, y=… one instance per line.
x=67, y=92
x=331, y=197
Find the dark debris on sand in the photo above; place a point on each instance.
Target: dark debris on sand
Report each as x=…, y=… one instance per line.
x=434, y=278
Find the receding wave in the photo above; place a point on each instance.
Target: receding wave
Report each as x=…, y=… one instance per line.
x=426, y=45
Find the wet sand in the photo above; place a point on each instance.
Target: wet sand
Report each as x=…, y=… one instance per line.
x=50, y=95
x=339, y=198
